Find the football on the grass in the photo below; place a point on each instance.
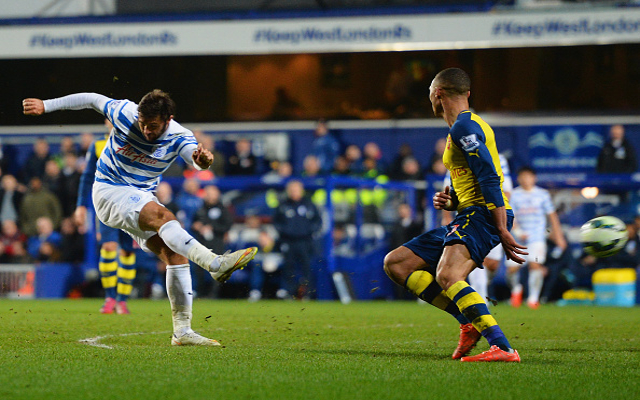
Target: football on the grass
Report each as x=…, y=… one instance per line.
x=603, y=236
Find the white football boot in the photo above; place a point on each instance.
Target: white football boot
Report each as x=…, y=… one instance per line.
x=193, y=339
x=230, y=262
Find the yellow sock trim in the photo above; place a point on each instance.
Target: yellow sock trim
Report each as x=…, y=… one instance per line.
x=108, y=267
x=124, y=289
x=128, y=260
x=108, y=254
x=418, y=282
x=469, y=300
x=483, y=322
x=129, y=274
x=455, y=288
x=109, y=282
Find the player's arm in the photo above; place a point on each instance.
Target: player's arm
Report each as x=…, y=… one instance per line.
x=78, y=101
x=195, y=154
x=481, y=164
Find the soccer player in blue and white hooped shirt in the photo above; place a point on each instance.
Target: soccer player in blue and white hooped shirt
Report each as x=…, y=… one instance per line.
x=533, y=207
x=143, y=144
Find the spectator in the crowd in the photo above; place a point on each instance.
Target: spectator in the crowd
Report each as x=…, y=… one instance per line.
x=242, y=162
x=212, y=221
x=265, y=265
x=435, y=162
x=325, y=147
x=280, y=170
x=67, y=146
x=297, y=219
x=188, y=201
x=69, y=182
x=370, y=168
x=11, y=194
x=86, y=138
x=72, y=242
x=35, y=164
x=164, y=193
x=13, y=244
x=341, y=166
x=52, y=178
x=395, y=170
x=210, y=226
x=617, y=155
x=406, y=226
x=219, y=159
x=190, y=172
x=311, y=167
x=354, y=157
x=285, y=108
x=38, y=202
x=411, y=170
x=45, y=245
x=372, y=151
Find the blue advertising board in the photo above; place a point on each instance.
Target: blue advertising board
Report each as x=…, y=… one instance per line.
x=565, y=148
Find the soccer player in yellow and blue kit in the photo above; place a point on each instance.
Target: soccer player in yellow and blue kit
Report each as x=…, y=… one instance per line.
x=435, y=265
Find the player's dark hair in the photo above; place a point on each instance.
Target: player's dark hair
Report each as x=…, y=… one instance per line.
x=157, y=104
x=527, y=169
x=453, y=81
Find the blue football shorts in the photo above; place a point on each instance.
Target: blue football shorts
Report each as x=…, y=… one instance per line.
x=472, y=227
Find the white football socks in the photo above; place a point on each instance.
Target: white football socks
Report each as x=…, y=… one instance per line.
x=514, y=282
x=536, y=280
x=181, y=297
x=180, y=242
x=479, y=281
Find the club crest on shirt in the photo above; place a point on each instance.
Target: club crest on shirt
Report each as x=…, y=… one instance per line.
x=160, y=152
x=134, y=199
x=469, y=142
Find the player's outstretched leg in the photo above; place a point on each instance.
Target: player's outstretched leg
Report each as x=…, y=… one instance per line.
x=181, y=297
x=220, y=266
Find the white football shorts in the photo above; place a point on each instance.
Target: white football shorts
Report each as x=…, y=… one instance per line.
x=496, y=253
x=537, y=253
x=119, y=207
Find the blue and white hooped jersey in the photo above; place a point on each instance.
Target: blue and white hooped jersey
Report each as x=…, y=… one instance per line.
x=531, y=209
x=129, y=159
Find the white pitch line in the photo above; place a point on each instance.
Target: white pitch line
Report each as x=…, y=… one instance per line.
x=95, y=341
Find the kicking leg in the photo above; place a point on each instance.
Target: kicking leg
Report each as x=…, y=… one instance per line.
x=156, y=218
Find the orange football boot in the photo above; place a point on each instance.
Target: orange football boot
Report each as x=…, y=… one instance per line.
x=516, y=299
x=494, y=354
x=469, y=337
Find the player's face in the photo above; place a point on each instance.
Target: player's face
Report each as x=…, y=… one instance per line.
x=527, y=180
x=436, y=102
x=152, y=128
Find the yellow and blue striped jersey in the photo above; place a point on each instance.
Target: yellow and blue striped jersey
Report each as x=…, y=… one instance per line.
x=472, y=158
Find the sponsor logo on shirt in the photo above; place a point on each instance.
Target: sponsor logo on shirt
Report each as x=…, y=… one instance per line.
x=134, y=155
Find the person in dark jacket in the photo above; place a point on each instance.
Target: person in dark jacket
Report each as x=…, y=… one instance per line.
x=211, y=223
x=297, y=219
x=617, y=155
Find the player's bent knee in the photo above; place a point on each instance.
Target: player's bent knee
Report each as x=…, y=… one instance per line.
x=109, y=246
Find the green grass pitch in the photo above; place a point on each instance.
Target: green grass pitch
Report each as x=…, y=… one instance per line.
x=311, y=350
